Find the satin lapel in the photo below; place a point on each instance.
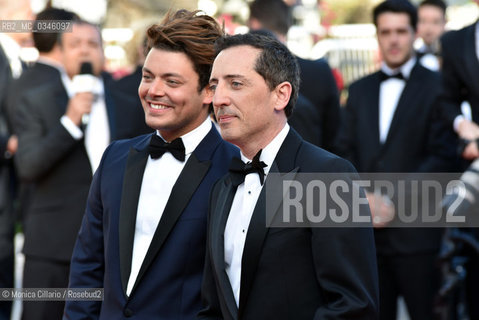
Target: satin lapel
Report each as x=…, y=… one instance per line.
x=219, y=217
x=284, y=164
x=135, y=168
x=371, y=110
x=407, y=101
x=110, y=110
x=184, y=188
x=472, y=61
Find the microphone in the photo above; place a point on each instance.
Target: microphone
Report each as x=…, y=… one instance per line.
x=85, y=81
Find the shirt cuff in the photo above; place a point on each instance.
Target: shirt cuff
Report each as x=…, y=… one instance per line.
x=457, y=121
x=74, y=131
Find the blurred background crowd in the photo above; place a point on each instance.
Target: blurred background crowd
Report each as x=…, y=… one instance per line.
x=340, y=33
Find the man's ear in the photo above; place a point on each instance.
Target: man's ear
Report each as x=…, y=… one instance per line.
x=283, y=94
x=208, y=95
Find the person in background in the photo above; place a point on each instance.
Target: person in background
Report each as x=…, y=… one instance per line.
x=460, y=83
x=317, y=81
x=143, y=235
x=11, y=67
x=391, y=125
x=430, y=27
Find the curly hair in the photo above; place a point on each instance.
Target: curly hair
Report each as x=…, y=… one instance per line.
x=192, y=33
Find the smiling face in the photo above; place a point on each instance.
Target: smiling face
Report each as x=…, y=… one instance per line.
x=249, y=113
x=169, y=94
x=395, y=37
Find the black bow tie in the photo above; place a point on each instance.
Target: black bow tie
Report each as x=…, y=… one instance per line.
x=239, y=169
x=158, y=147
x=384, y=76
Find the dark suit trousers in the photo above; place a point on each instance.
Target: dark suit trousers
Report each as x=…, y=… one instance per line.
x=414, y=277
x=40, y=273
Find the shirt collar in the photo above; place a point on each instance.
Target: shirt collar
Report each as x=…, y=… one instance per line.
x=405, y=69
x=269, y=152
x=193, y=138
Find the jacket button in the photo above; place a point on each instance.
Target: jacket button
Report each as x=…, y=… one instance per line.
x=128, y=313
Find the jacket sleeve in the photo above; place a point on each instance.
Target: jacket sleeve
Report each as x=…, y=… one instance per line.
x=41, y=146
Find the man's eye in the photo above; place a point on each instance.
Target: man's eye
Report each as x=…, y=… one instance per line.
x=236, y=84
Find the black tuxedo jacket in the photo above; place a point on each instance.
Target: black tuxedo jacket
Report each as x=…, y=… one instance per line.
x=58, y=166
x=291, y=273
x=305, y=120
x=319, y=87
x=460, y=69
x=417, y=141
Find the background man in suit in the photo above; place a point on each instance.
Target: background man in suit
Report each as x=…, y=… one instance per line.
x=144, y=232
x=460, y=83
x=8, y=147
x=56, y=157
x=48, y=67
x=11, y=66
x=256, y=272
x=390, y=126
x=430, y=27
x=317, y=81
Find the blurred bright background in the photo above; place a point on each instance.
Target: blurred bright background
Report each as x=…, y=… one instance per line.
x=339, y=30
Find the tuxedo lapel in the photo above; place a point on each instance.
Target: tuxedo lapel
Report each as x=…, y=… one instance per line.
x=186, y=185
x=407, y=101
x=284, y=163
x=135, y=168
x=371, y=111
x=184, y=188
x=220, y=213
x=472, y=61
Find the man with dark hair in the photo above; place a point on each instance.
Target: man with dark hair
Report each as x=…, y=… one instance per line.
x=391, y=125
x=48, y=67
x=430, y=27
x=253, y=271
x=144, y=231
x=317, y=81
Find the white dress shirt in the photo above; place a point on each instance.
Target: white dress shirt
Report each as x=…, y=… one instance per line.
x=12, y=51
x=242, y=210
x=97, y=131
x=158, y=180
x=389, y=94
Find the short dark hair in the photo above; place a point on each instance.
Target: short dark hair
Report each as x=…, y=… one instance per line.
x=192, y=33
x=396, y=6
x=274, y=15
x=44, y=42
x=435, y=3
x=275, y=63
